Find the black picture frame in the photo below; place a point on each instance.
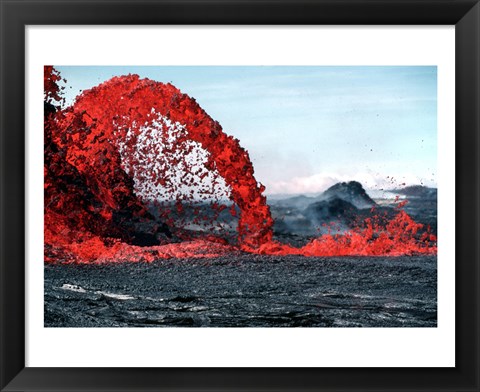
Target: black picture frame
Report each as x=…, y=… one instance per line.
x=16, y=14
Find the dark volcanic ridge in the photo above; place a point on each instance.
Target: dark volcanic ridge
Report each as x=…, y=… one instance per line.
x=417, y=191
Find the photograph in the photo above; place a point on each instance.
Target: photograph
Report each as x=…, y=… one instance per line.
x=240, y=196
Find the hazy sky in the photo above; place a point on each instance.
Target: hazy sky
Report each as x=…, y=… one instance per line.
x=309, y=127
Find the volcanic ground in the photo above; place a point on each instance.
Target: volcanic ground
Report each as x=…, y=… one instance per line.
x=245, y=290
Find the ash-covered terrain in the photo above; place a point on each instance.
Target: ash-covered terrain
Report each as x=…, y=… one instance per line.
x=245, y=291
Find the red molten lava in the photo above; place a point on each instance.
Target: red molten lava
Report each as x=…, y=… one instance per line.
x=400, y=236
x=117, y=147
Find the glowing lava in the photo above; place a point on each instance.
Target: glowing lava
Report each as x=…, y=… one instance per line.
x=129, y=141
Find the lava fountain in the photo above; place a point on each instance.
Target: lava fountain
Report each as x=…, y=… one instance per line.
x=131, y=141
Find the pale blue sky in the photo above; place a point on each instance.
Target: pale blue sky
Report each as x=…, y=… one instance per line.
x=308, y=127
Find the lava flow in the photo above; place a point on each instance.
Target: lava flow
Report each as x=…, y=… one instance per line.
x=130, y=156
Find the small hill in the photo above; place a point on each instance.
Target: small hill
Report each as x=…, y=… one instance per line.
x=351, y=192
